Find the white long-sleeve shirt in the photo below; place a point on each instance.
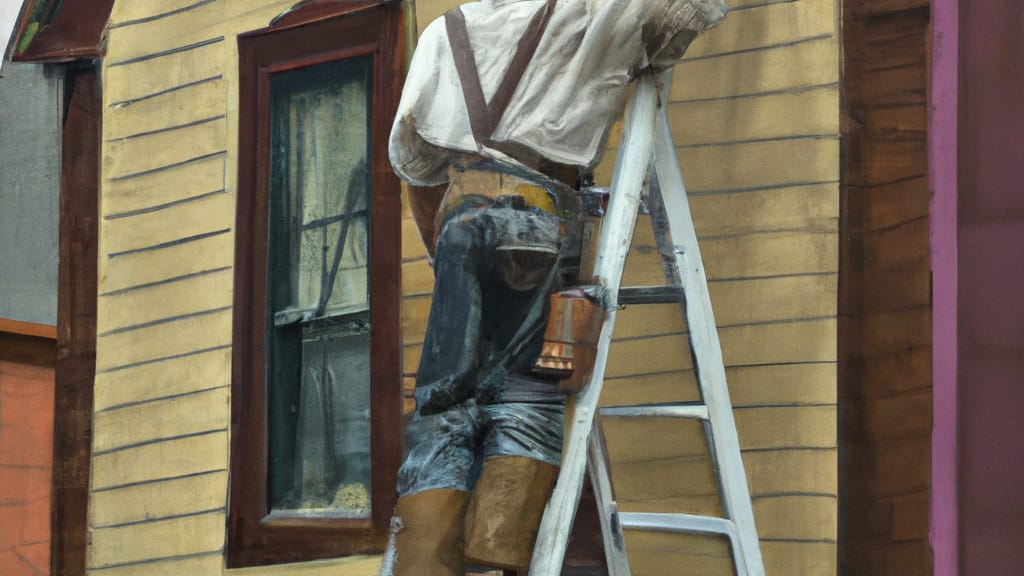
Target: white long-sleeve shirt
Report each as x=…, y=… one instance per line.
x=570, y=93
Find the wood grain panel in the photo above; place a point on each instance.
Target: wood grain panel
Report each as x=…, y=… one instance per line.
x=657, y=354
x=807, y=341
x=898, y=372
x=782, y=427
x=162, y=301
x=211, y=563
x=152, y=421
x=149, y=502
x=168, y=263
x=124, y=13
x=161, y=460
x=795, y=471
x=190, y=104
x=888, y=205
x=801, y=383
x=415, y=311
x=810, y=383
x=214, y=212
x=163, y=340
x=784, y=68
x=814, y=557
x=774, y=299
x=412, y=245
x=769, y=25
x=885, y=366
x=808, y=208
x=417, y=277
x=175, y=29
x=167, y=539
x=904, y=329
x=650, y=388
x=788, y=342
x=769, y=254
x=145, y=79
x=772, y=116
x=658, y=554
x=163, y=187
x=796, y=518
x=164, y=379
x=791, y=162
x=126, y=158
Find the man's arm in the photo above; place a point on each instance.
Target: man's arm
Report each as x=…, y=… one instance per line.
x=672, y=24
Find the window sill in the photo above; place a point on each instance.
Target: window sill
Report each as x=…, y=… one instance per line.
x=351, y=566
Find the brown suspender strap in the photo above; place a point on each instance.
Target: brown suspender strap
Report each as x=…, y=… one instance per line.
x=465, y=64
x=484, y=116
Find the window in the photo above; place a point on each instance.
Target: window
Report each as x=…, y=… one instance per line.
x=316, y=415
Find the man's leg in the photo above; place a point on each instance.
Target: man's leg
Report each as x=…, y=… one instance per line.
x=451, y=348
x=427, y=528
x=523, y=451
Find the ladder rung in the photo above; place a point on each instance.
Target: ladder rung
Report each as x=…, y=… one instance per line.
x=693, y=411
x=650, y=295
x=680, y=523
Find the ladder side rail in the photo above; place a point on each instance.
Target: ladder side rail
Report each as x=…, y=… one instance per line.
x=707, y=349
x=631, y=167
x=607, y=507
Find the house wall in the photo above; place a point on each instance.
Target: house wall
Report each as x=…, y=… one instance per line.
x=885, y=292
x=26, y=441
x=991, y=281
x=158, y=491
x=30, y=113
x=755, y=109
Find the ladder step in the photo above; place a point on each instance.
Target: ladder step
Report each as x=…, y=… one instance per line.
x=650, y=295
x=692, y=411
x=677, y=523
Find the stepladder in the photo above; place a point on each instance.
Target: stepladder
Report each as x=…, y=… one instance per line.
x=647, y=154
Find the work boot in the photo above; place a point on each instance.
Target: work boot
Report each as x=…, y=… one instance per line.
x=505, y=511
x=426, y=534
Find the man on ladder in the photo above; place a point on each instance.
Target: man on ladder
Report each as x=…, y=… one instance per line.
x=505, y=111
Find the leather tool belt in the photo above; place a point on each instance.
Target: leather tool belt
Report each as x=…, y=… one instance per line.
x=570, y=340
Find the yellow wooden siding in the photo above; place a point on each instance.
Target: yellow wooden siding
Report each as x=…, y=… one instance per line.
x=755, y=115
x=161, y=439
x=201, y=493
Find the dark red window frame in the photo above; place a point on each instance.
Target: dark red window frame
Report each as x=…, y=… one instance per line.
x=318, y=32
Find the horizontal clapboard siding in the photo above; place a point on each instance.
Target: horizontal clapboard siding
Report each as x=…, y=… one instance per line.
x=194, y=563
x=142, y=503
x=162, y=405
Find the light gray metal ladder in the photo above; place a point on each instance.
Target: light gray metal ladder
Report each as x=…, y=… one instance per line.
x=647, y=142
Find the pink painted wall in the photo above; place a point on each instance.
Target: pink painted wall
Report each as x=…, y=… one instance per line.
x=991, y=288
x=943, y=117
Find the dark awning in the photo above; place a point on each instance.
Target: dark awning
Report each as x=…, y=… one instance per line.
x=60, y=30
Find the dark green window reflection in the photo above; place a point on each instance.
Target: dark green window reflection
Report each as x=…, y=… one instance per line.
x=319, y=332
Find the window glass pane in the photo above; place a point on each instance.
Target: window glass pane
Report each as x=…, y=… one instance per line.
x=319, y=373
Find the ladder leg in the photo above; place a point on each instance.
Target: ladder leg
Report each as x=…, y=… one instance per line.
x=616, y=235
x=706, y=347
x=608, y=510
